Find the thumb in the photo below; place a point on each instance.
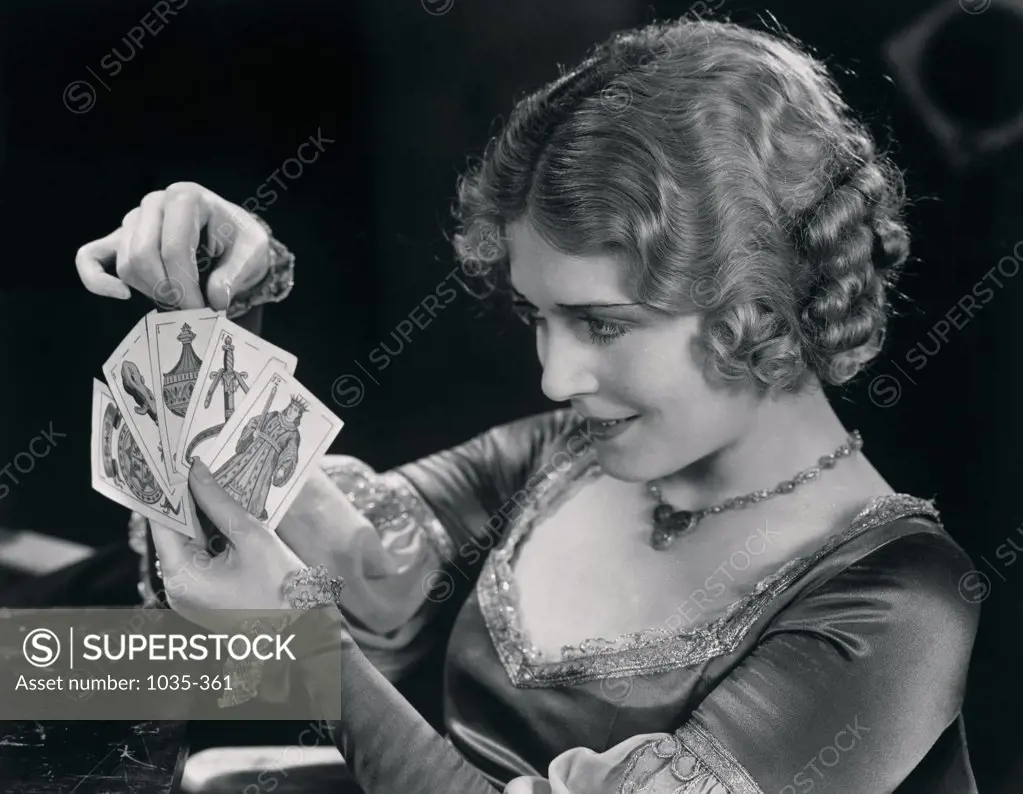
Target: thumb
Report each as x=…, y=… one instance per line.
x=233, y=521
x=245, y=260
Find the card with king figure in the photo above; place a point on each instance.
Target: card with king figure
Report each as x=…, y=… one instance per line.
x=270, y=445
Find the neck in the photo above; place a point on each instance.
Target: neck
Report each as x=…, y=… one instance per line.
x=786, y=435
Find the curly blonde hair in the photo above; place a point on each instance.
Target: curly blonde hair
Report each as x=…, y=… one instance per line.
x=722, y=166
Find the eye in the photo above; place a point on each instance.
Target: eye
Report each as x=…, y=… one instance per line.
x=603, y=332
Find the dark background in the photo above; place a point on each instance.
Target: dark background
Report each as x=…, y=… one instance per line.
x=226, y=91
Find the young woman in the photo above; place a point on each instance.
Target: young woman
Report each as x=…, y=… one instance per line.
x=692, y=580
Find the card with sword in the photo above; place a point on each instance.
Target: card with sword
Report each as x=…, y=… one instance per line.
x=234, y=360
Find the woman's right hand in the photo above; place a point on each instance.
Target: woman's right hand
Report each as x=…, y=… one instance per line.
x=156, y=250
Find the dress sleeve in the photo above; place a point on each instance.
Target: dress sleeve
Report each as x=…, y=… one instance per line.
x=847, y=690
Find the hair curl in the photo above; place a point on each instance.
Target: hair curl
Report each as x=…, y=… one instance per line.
x=722, y=166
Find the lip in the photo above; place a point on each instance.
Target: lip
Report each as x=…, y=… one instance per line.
x=604, y=432
x=594, y=418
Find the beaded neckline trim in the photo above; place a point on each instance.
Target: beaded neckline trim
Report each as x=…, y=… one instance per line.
x=653, y=650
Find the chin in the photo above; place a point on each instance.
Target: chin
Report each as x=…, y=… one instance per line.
x=643, y=456
x=627, y=465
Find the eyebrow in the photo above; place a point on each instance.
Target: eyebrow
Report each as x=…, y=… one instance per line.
x=518, y=296
x=594, y=305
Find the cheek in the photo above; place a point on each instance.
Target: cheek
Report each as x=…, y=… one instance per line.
x=663, y=376
x=695, y=415
x=655, y=371
x=656, y=387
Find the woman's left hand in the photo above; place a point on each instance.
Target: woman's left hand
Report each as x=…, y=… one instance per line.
x=248, y=574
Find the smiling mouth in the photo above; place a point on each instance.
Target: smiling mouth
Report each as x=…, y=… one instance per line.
x=607, y=423
x=608, y=428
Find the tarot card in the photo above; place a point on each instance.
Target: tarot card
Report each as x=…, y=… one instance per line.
x=120, y=472
x=234, y=359
x=129, y=376
x=270, y=445
x=177, y=347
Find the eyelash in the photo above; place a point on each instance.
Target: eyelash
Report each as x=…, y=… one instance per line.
x=604, y=332
x=601, y=332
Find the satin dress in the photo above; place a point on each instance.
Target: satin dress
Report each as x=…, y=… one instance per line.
x=842, y=671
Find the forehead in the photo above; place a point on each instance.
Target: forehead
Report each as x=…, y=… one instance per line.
x=545, y=275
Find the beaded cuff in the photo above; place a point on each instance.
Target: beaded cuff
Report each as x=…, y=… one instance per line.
x=312, y=587
x=275, y=286
x=388, y=501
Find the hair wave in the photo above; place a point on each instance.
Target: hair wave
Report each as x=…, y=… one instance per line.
x=724, y=168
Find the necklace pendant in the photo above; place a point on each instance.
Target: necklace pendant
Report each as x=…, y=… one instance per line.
x=661, y=538
x=669, y=524
x=663, y=513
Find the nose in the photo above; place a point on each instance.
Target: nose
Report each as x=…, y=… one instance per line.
x=567, y=369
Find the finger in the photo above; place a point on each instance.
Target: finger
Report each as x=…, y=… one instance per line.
x=124, y=268
x=144, y=249
x=175, y=551
x=94, y=259
x=184, y=214
x=226, y=514
x=244, y=260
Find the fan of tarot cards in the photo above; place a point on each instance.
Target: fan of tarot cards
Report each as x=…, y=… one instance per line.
x=190, y=384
